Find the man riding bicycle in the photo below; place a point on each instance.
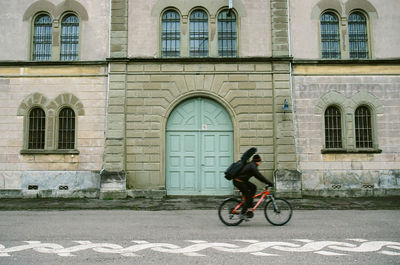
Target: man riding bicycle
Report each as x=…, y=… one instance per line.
x=247, y=188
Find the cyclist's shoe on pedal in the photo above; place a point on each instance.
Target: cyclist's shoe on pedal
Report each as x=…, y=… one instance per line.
x=244, y=217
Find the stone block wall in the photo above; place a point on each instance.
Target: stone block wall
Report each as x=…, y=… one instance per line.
x=154, y=88
x=78, y=82
x=351, y=172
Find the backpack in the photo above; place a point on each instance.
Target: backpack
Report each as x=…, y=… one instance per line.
x=234, y=169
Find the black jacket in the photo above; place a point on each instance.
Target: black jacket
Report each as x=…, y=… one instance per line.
x=250, y=170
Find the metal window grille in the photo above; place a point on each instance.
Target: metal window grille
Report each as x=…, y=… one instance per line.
x=363, y=127
x=198, y=34
x=42, y=38
x=37, y=128
x=333, y=128
x=358, y=38
x=70, y=38
x=170, y=34
x=330, y=42
x=66, y=129
x=227, y=34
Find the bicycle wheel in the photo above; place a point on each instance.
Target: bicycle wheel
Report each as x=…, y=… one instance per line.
x=225, y=212
x=278, y=214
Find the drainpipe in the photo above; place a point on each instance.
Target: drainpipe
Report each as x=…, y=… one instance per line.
x=291, y=83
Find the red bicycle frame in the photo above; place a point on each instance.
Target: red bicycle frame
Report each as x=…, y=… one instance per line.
x=264, y=194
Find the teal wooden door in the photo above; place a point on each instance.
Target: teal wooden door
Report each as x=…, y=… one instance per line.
x=199, y=147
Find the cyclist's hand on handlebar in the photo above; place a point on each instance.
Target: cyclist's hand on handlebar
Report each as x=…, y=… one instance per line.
x=268, y=186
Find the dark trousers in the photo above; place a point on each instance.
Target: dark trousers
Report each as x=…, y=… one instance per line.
x=248, y=190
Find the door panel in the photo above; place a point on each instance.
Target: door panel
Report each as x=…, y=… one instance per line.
x=199, y=147
x=217, y=156
x=182, y=162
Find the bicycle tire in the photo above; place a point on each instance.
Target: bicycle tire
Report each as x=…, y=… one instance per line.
x=282, y=215
x=225, y=212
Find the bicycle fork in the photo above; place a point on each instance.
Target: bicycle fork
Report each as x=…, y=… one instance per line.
x=276, y=208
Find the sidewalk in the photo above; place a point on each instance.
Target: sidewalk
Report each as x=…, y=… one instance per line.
x=191, y=203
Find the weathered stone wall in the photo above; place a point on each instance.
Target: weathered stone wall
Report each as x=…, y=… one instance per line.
x=253, y=20
x=17, y=27
x=352, y=172
x=45, y=86
x=305, y=23
x=154, y=88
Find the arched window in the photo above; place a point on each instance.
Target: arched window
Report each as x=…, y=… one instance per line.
x=66, y=129
x=69, y=38
x=363, y=127
x=42, y=38
x=37, y=129
x=330, y=42
x=358, y=38
x=198, y=34
x=170, y=34
x=227, y=34
x=333, y=128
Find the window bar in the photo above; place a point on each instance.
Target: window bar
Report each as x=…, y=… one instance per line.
x=70, y=38
x=358, y=38
x=42, y=38
x=198, y=34
x=333, y=132
x=36, y=132
x=66, y=133
x=170, y=35
x=330, y=36
x=363, y=128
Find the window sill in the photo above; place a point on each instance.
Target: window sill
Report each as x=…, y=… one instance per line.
x=351, y=151
x=49, y=152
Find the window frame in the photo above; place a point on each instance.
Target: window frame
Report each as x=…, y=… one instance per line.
x=370, y=129
x=43, y=130
x=201, y=32
x=64, y=16
x=367, y=35
x=336, y=15
x=236, y=54
x=52, y=109
x=33, y=28
x=162, y=33
x=342, y=129
x=58, y=128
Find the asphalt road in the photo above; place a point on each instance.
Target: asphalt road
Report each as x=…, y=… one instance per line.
x=198, y=237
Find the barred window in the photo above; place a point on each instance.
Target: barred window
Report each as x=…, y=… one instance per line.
x=66, y=129
x=170, y=34
x=363, y=127
x=42, y=38
x=333, y=128
x=37, y=129
x=227, y=34
x=69, y=38
x=330, y=42
x=358, y=38
x=198, y=34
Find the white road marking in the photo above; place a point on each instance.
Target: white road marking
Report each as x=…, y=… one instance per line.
x=196, y=248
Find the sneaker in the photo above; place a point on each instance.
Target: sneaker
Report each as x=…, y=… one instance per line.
x=244, y=217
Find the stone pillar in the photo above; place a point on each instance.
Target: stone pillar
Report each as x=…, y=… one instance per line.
x=119, y=29
x=279, y=20
x=287, y=177
x=113, y=174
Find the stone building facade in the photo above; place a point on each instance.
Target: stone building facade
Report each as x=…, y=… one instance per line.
x=348, y=84
x=30, y=86
x=166, y=94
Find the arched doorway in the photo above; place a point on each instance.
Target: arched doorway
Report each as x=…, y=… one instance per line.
x=199, y=147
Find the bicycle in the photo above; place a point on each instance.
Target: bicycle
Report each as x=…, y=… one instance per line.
x=277, y=211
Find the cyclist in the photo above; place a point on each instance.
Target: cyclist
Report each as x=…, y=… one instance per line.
x=247, y=188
